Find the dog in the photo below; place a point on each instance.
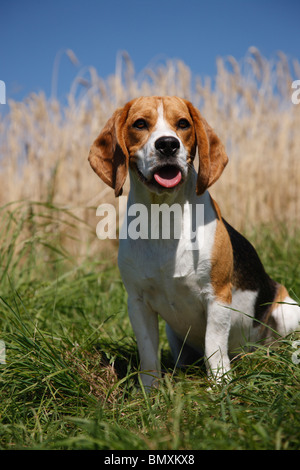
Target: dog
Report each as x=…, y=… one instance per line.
x=214, y=296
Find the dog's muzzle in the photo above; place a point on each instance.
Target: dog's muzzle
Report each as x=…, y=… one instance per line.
x=168, y=175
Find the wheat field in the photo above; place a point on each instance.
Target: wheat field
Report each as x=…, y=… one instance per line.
x=44, y=144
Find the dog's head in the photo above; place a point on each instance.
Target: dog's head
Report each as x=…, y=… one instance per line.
x=157, y=137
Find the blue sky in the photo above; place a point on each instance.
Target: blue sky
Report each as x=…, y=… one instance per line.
x=32, y=32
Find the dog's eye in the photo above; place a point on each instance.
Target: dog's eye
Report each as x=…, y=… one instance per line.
x=183, y=124
x=140, y=124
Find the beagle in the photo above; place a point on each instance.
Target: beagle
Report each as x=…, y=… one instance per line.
x=215, y=298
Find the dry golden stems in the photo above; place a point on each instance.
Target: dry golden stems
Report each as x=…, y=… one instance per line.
x=44, y=145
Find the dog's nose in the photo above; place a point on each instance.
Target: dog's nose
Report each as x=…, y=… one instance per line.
x=167, y=146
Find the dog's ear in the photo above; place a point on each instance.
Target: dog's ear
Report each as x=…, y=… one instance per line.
x=108, y=155
x=212, y=155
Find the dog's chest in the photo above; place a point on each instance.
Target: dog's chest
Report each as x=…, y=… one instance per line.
x=170, y=278
x=177, y=293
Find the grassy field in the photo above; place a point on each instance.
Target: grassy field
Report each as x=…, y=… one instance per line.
x=70, y=377
x=70, y=380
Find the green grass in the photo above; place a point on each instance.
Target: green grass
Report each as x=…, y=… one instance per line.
x=70, y=380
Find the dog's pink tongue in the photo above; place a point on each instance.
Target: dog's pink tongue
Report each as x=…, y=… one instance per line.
x=168, y=176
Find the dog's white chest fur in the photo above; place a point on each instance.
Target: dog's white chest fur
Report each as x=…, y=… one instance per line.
x=173, y=277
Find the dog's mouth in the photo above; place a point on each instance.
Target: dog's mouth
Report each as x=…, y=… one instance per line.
x=168, y=176
x=164, y=177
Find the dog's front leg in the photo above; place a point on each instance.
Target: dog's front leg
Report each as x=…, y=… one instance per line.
x=216, y=339
x=144, y=322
